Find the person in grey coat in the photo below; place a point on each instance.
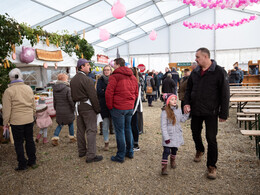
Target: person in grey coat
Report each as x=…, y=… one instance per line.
x=64, y=107
x=172, y=137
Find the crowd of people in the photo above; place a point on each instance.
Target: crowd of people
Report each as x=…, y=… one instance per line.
x=117, y=99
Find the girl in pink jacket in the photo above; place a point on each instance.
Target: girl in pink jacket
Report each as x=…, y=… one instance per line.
x=43, y=121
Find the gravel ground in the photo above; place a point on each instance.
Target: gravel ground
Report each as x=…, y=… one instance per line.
x=61, y=171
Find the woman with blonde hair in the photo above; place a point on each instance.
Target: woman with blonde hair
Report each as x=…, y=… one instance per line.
x=101, y=90
x=64, y=107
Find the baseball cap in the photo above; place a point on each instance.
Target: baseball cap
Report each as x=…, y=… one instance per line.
x=82, y=61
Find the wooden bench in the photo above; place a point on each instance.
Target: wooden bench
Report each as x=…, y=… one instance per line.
x=247, y=119
x=256, y=134
x=247, y=106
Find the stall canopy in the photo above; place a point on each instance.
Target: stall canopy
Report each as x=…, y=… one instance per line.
x=35, y=74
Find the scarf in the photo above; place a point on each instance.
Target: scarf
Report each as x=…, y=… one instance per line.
x=105, y=78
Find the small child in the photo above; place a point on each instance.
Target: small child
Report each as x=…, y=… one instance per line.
x=171, y=130
x=43, y=120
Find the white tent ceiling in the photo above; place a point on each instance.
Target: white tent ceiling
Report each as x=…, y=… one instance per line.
x=90, y=15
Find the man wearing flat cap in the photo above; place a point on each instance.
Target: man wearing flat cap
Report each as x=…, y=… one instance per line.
x=87, y=107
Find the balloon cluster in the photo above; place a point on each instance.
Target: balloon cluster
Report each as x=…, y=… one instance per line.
x=218, y=26
x=222, y=4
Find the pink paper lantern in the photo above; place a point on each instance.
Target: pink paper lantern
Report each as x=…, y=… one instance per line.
x=27, y=55
x=153, y=35
x=104, y=34
x=118, y=10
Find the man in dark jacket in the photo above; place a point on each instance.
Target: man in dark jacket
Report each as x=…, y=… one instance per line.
x=87, y=107
x=121, y=93
x=207, y=98
x=169, y=86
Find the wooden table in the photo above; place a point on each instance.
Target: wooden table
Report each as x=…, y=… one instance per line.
x=244, y=93
x=242, y=101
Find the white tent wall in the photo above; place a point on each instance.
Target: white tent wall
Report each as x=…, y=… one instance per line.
x=146, y=46
x=183, y=39
x=236, y=44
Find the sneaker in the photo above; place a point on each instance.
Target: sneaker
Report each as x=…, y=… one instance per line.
x=136, y=148
x=198, y=156
x=212, y=172
x=95, y=159
x=115, y=159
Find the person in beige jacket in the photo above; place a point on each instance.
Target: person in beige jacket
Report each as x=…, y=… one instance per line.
x=19, y=111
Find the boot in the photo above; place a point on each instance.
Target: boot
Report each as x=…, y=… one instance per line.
x=101, y=128
x=164, y=169
x=38, y=138
x=54, y=141
x=173, y=163
x=198, y=156
x=106, y=146
x=45, y=140
x=212, y=172
x=72, y=139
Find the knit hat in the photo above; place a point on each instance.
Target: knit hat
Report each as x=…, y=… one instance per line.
x=82, y=61
x=167, y=97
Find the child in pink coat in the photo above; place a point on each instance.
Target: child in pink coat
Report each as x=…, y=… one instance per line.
x=43, y=121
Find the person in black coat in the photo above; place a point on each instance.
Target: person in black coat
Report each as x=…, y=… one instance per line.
x=207, y=98
x=234, y=77
x=101, y=90
x=169, y=86
x=64, y=107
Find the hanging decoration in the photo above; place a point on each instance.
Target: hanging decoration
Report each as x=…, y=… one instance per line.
x=14, y=51
x=27, y=55
x=45, y=65
x=118, y=10
x=153, y=35
x=47, y=41
x=218, y=26
x=104, y=34
x=222, y=4
x=56, y=66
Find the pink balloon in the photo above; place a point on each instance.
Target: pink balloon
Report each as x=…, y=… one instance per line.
x=104, y=34
x=27, y=55
x=118, y=10
x=111, y=63
x=153, y=35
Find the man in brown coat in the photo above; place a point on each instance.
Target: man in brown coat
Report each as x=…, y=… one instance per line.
x=87, y=107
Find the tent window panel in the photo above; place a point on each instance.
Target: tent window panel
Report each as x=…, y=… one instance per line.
x=30, y=78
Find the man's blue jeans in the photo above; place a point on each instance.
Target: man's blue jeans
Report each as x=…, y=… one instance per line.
x=59, y=127
x=124, y=137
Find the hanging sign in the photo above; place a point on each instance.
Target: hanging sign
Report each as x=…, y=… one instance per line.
x=102, y=59
x=184, y=64
x=141, y=67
